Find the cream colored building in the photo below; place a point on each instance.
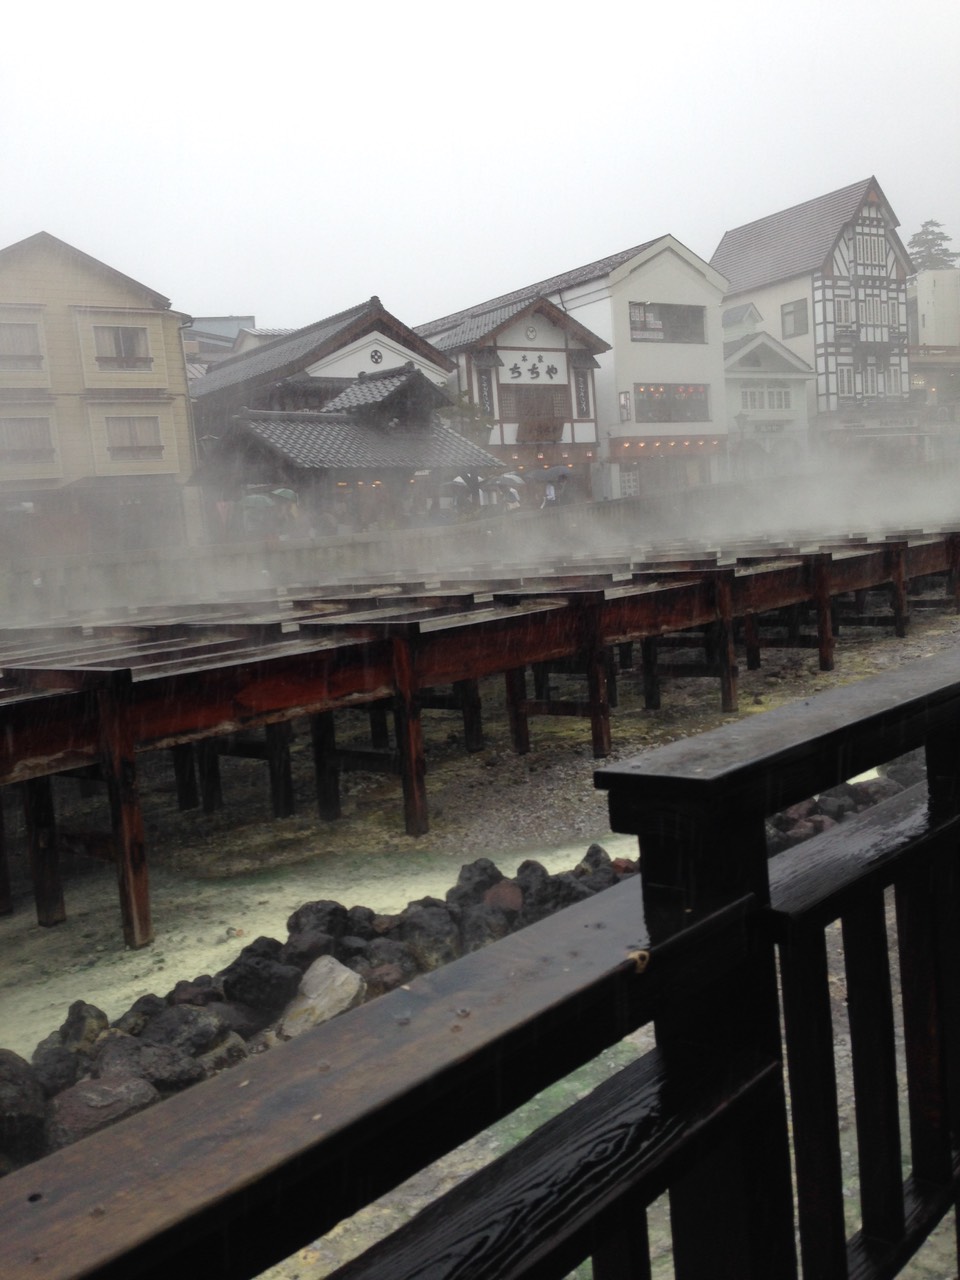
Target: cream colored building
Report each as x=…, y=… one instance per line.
x=96, y=441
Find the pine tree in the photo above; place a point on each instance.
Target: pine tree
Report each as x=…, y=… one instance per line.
x=928, y=248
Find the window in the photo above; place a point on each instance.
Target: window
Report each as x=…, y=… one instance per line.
x=793, y=318
x=870, y=380
x=134, y=438
x=626, y=408
x=20, y=346
x=121, y=347
x=843, y=313
x=893, y=381
x=894, y=314
x=25, y=439
x=671, y=402
x=539, y=412
x=754, y=398
x=845, y=380
x=665, y=322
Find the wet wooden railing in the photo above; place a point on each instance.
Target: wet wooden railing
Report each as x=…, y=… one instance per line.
x=715, y=944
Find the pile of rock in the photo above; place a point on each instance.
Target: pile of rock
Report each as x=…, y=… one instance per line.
x=811, y=817
x=91, y=1073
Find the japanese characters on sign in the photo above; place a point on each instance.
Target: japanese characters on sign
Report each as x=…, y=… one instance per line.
x=543, y=367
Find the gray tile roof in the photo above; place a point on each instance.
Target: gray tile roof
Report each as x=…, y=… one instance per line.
x=283, y=354
x=461, y=328
x=324, y=441
x=374, y=388
x=793, y=242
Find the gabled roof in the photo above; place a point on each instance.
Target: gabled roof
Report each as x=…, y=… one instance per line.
x=508, y=305
x=45, y=242
x=326, y=441
x=483, y=327
x=737, y=348
x=737, y=315
x=793, y=242
x=386, y=384
x=291, y=353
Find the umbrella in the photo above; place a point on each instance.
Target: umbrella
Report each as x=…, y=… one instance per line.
x=509, y=480
x=551, y=473
x=256, y=500
x=287, y=494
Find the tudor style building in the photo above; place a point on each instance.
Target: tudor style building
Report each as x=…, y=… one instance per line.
x=638, y=402
x=830, y=277
x=95, y=437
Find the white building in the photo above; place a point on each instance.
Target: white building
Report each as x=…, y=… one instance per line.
x=660, y=407
x=830, y=277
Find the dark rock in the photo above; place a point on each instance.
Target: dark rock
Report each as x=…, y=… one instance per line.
x=384, y=978
x=23, y=1111
x=543, y=894
x=167, y=1067
x=201, y=991
x=506, y=896
x=57, y=1067
x=90, y=1105
x=387, y=951
x=139, y=1014
x=324, y=916
x=186, y=1027
x=595, y=859
x=481, y=924
x=837, y=807
x=432, y=933
x=243, y=1019
x=351, y=947
x=305, y=946
x=799, y=832
x=262, y=948
x=360, y=922
x=83, y=1024
x=625, y=867
x=474, y=880
x=231, y=1050
x=786, y=819
x=872, y=790
x=908, y=770
x=260, y=981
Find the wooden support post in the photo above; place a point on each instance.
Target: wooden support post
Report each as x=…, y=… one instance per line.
x=599, y=704
x=625, y=655
x=188, y=796
x=325, y=767
x=751, y=640
x=541, y=681
x=516, y=690
x=611, y=662
x=793, y=623
x=651, y=677
x=726, y=653
x=379, y=725
x=898, y=589
x=118, y=760
x=208, y=769
x=821, y=596
x=409, y=728
x=6, y=894
x=278, y=763
x=467, y=693
x=40, y=823
x=953, y=572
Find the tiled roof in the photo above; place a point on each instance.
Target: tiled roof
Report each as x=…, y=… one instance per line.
x=374, y=388
x=489, y=315
x=268, y=333
x=327, y=441
x=793, y=242
x=735, y=315
x=278, y=357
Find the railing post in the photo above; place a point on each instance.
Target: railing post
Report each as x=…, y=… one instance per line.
x=732, y=1214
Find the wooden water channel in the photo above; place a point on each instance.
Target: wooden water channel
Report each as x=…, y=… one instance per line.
x=85, y=695
x=243, y=1170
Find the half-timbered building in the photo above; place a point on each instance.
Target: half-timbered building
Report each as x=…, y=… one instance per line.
x=833, y=272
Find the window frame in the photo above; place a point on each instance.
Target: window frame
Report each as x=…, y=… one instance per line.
x=670, y=395
x=667, y=322
x=119, y=358
x=37, y=451
x=23, y=361
x=133, y=449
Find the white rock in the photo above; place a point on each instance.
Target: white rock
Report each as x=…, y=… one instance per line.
x=328, y=988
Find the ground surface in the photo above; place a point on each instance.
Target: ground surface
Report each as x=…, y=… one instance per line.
x=219, y=881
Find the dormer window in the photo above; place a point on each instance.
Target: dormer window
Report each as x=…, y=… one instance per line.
x=121, y=347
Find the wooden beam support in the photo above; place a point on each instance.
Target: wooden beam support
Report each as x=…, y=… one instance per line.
x=409, y=729
x=325, y=765
x=41, y=827
x=118, y=759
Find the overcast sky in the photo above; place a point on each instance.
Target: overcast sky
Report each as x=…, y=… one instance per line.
x=288, y=160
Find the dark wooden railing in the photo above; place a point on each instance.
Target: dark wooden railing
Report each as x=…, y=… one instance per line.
x=716, y=944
